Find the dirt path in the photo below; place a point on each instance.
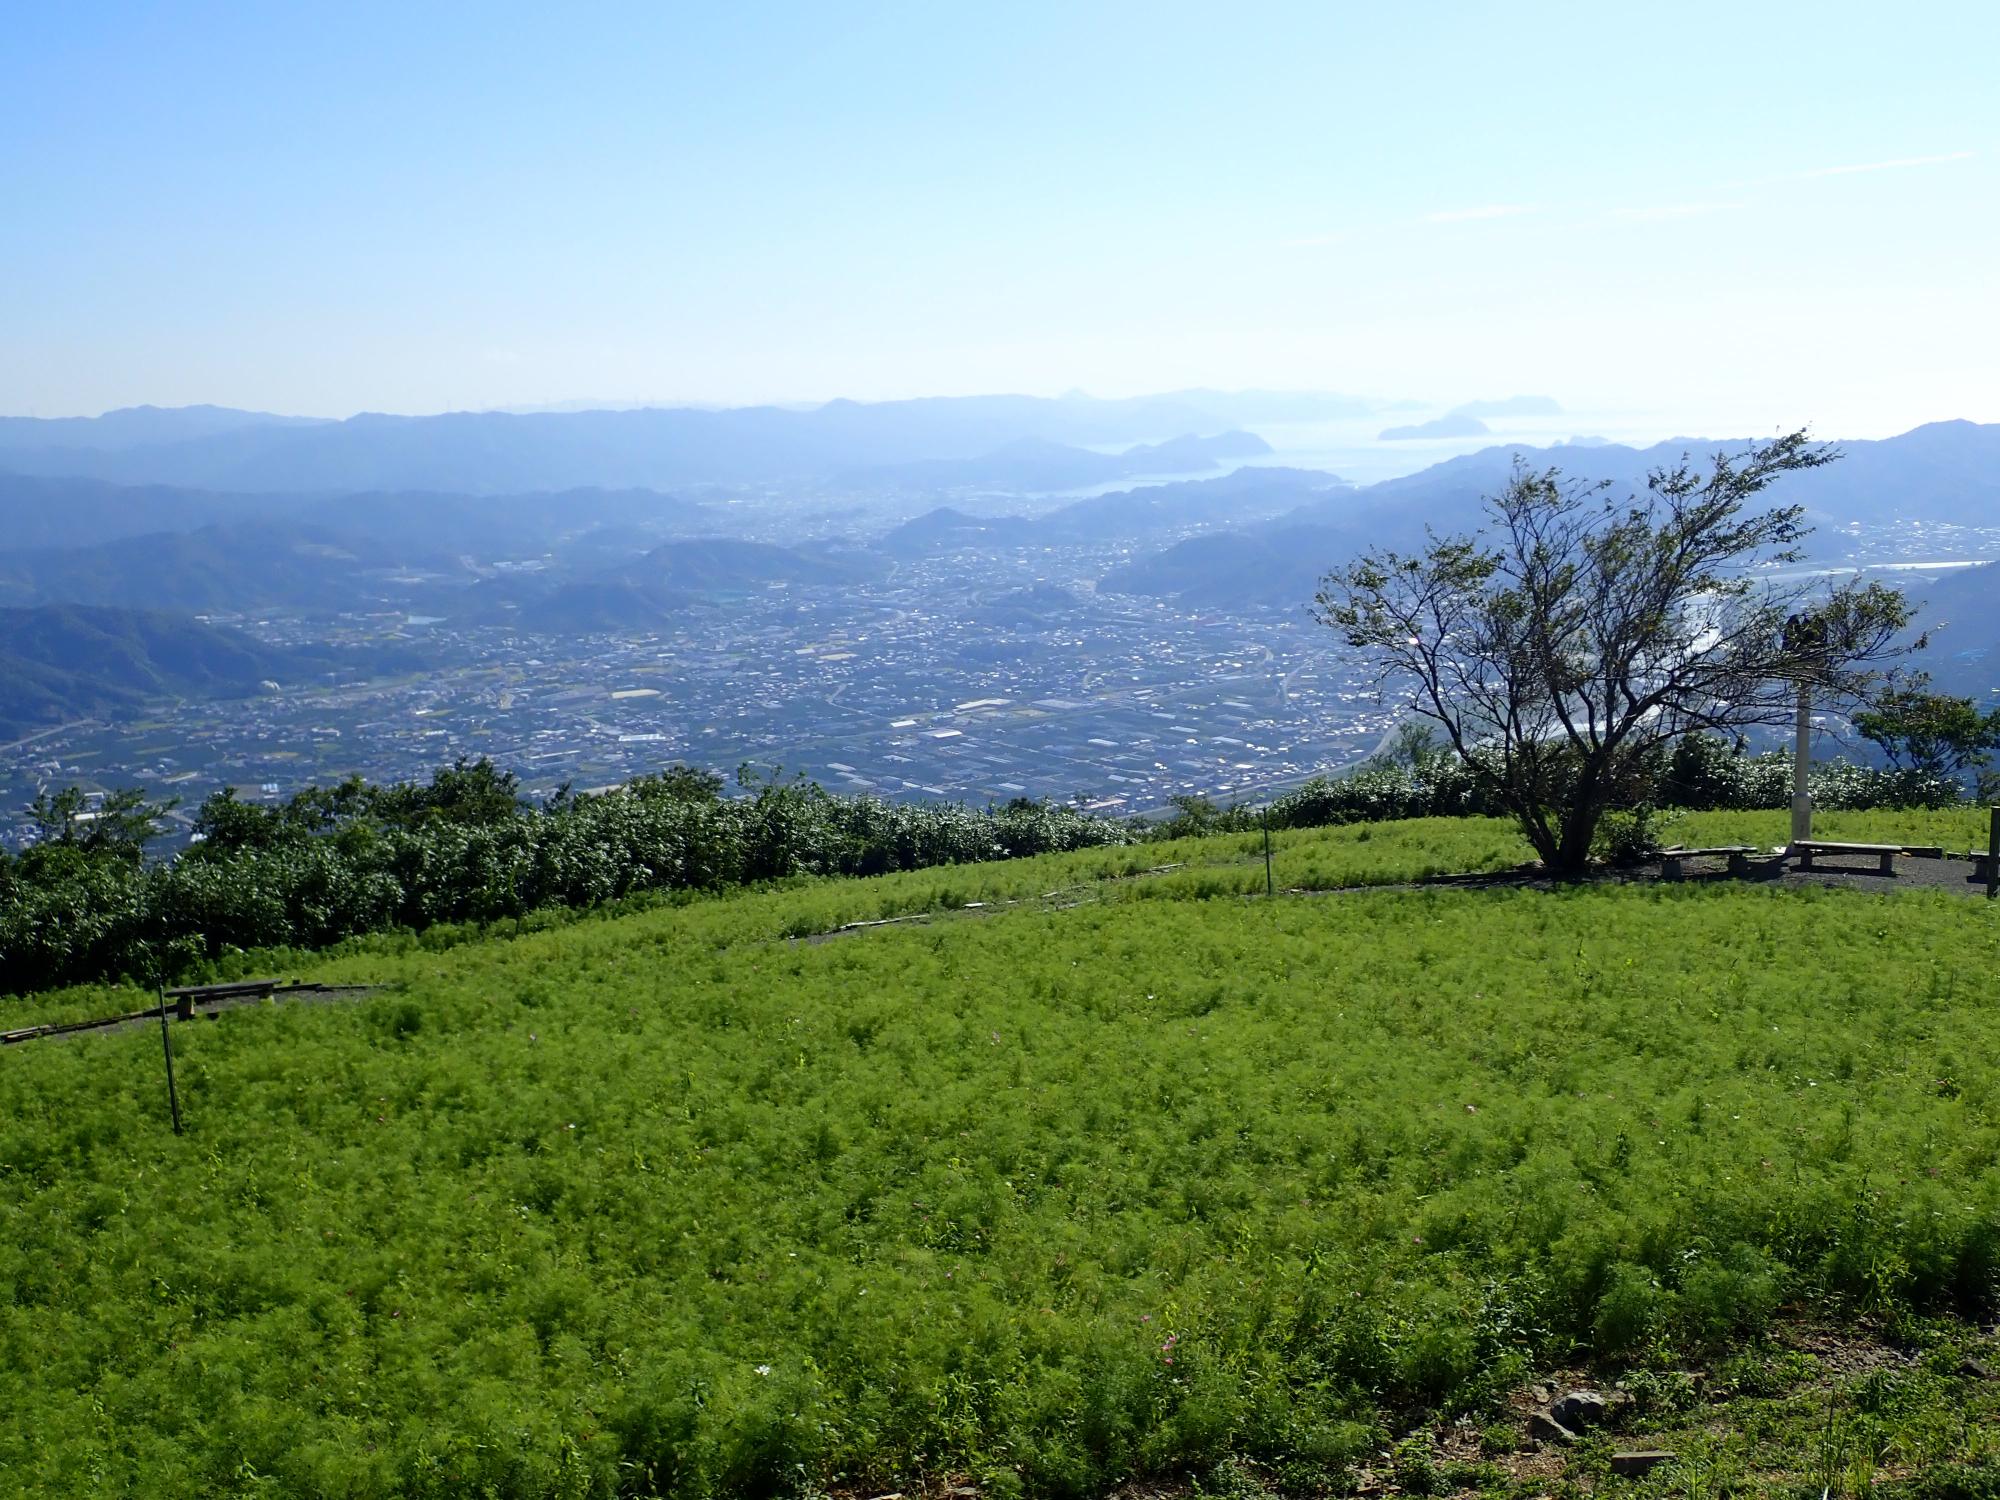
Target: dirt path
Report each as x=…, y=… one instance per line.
x=1912, y=873
x=294, y=994
x=1961, y=877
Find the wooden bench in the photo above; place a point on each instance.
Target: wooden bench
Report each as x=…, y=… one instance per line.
x=187, y=996
x=1807, y=850
x=1673, y=861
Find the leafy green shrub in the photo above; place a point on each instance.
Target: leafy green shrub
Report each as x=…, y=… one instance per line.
x=1728, y=1297
x=1631, y=836
x=1705, y=773
x=1412, y=1469
x=1630, y=1312
x=332, y=863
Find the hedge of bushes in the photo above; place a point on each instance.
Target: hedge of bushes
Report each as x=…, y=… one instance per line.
x=337, y=862
x=1700, y=774
x=333, y=863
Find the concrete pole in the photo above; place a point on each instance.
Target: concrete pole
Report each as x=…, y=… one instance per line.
x=1802, y=808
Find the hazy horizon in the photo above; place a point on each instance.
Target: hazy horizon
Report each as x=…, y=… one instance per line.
x=1384, y=407
x=1350, y=446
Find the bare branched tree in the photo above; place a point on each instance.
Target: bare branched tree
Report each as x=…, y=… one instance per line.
x=1579, y=630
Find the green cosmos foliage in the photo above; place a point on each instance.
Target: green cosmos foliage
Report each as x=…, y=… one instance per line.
x=1124, y=1179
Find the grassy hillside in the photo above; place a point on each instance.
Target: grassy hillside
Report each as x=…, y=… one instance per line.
x=1129, y=1177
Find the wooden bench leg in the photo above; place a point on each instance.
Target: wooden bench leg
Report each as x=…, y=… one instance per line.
x=1738, y=865
x=1670, y=868
x=1888, y=864
x=1805, y=861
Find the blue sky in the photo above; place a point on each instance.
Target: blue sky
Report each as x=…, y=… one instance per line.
x=1735, y=215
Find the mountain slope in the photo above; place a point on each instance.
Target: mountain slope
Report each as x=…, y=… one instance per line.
x=1250, y=494
x=726, y=565
x=1035, y=464
x=70, y=661
x=65, y=512
x=949, y=529
x=1947, y=471
x=240, y=565
x=1960, y=612
x=38, y=512
x=1272, y=567
x=646, y=592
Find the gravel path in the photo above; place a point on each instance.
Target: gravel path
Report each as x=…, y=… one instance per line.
x=322, y=994
x=1963, y=876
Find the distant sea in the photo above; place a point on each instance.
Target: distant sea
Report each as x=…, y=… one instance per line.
x=1353, y=449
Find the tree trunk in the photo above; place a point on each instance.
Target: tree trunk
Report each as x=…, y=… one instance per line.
x=1579, y=831
x=1581, y=815
x=1535, y=828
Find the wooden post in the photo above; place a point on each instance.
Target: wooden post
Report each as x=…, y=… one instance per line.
x=167, y=1042
x=1271, y=890
x=1993, y=857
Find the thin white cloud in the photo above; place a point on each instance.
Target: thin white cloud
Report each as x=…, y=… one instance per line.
x=1443, y=216
x=1643, y=213
x=1654, y=213
x=1888, y=166
x=1484, y=211
x=1316, y=241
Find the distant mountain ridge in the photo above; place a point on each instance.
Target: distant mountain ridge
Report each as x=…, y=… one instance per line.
x=1248, y=494
x=1034, y=464
x=49, y=514
x=136, y=426
x=1940, y=472
x=652, y=448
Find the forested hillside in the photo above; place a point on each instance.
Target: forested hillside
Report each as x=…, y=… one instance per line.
x=70, y=661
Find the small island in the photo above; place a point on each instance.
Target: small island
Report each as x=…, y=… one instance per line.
x=1451, y=425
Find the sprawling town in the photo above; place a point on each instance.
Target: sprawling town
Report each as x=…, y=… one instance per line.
x=961, y=677
x=979, y=673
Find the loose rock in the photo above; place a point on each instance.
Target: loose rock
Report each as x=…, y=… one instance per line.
x=1546, y=1429
x=1639, y=1461
x=1580, y=1409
